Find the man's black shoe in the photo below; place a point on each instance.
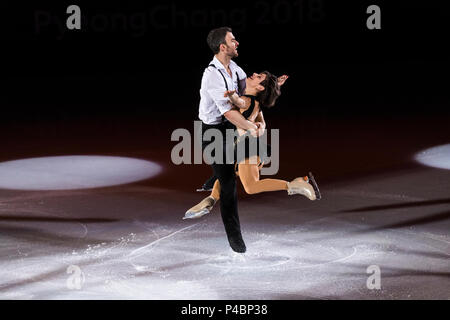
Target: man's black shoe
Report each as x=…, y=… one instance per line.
x=237, y=244
x=208, y=185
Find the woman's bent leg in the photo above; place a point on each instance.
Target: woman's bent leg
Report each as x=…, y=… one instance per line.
x=249, y=175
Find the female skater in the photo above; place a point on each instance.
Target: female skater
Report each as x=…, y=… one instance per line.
x=262, y=90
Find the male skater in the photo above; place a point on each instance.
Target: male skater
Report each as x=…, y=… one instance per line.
x=216, y=112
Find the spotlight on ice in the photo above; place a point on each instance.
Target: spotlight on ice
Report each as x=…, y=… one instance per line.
x=74, y=172
x=437, y=157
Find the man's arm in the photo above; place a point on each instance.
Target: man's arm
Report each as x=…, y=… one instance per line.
x=215, y=87
x=216, y=91
x=236, y=118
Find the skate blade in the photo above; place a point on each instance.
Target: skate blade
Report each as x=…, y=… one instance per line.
x=298, y=192
x=203, y=190
x=314, y=185
x=195, y=215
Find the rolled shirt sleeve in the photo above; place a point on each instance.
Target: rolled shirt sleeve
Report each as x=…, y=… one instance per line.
x=242, y=77
x=241, y=73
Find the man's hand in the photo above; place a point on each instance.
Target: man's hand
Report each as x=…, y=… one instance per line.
x=282, y=79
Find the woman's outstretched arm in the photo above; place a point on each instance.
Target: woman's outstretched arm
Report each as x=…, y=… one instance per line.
x=241, y=103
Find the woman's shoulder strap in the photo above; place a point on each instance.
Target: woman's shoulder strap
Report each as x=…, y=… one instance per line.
x=249, y=111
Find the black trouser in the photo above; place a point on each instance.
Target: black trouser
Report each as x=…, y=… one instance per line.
x=209, y=184
x=228, y=194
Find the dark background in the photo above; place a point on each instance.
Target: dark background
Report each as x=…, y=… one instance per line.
x=143, y=59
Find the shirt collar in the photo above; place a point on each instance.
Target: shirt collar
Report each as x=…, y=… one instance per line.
x=219, y=64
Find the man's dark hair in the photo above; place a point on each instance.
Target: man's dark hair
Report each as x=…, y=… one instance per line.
x=271, y=91
x=216, y=37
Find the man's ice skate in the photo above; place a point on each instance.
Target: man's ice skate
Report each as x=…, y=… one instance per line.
x=208, y=185
x=203, y=189
x=199, y=210
x=306, y=186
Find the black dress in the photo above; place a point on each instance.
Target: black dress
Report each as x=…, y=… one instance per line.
x=244, y=142
x=262, y=150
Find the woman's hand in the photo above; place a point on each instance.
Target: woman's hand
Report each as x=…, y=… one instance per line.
x=282, y=79
x=261, y=128
x=229, y=93
x=254, y=133
x=235, y=99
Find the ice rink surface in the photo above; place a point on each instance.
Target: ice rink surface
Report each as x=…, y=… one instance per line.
x=129, y=241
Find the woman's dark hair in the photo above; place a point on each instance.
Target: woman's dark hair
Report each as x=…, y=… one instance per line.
x=216, y=37
x=271, y=91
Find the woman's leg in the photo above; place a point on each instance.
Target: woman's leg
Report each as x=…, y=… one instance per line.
x=248, y=172
x=215, y=193
x=249, y=175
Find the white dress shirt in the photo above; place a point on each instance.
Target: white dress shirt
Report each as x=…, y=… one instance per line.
x=212, y=102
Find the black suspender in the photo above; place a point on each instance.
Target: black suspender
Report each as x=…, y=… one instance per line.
x=225, y=80
x=224, y=120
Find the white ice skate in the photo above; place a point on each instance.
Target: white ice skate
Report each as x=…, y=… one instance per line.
x=306, y=186
x=201, y=209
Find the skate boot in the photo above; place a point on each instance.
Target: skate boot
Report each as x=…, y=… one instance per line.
x=199, y=210
x=306, y=186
